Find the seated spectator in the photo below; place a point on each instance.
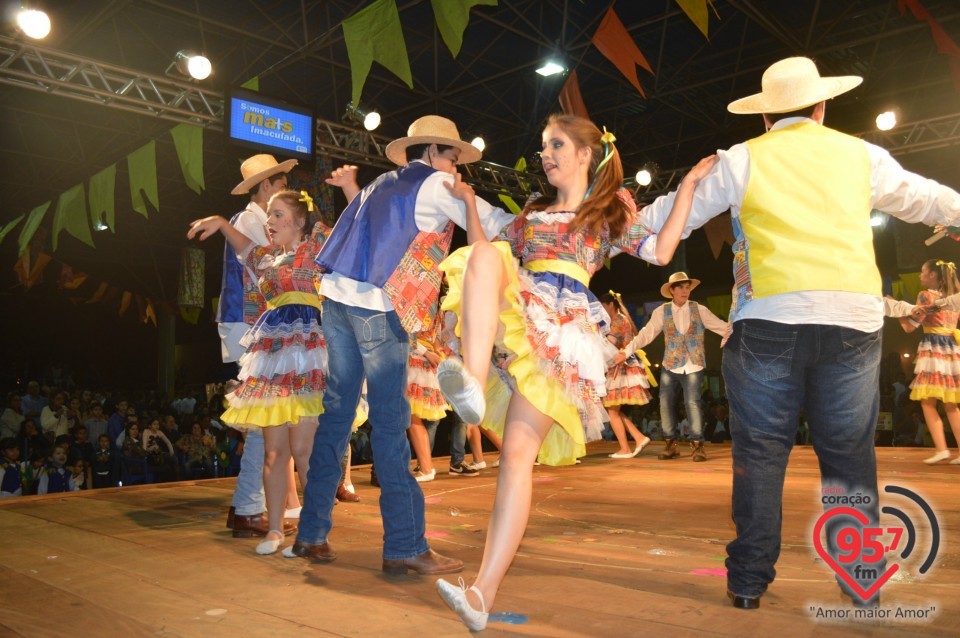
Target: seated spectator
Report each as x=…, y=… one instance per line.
x=78, y=472
x=95, y=423
x=171, y=429
x=160, y=454
x=199, y=449
x=31, y=440
x=103, y=464
x=54, y=477
x=117, y=424
x=75, y=414
x=32, y=403
x=81, y=448
x=12, y=418
x=54, y=420
x=132, y=446
x=11, y=469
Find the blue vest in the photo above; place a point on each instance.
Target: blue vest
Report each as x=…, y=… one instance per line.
x=57, y=481
x=230, y=308
x=377, y=227
x=11, y=477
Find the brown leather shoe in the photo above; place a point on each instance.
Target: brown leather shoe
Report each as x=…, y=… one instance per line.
x=320, y=553
x=427, y=563
x=670, y=450
x=699, y=455
x=257, y=525
x=346, y=496
x=230, y=515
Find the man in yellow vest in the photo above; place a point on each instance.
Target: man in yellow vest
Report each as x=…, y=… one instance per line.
x=807, y=309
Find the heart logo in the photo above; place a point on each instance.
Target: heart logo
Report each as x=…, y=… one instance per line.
x=865, y=594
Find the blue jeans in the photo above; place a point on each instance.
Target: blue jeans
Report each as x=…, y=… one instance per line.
x=458, y=440
x=248, y=496
x=773, y=371
x=372, y=343
x=670, y=384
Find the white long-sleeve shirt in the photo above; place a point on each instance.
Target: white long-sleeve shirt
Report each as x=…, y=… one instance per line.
x=895, y=191
x=681, y=319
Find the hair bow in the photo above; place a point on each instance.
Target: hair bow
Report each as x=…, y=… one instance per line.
x=608, y=137
x=948, y=264
x=305, y=197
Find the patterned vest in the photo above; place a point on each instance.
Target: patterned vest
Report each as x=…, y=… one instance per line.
x=805, y=216
x=680, y=348
x=376, y=240
x=240, y=298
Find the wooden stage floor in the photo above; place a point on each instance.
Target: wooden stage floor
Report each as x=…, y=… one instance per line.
x=614, y=548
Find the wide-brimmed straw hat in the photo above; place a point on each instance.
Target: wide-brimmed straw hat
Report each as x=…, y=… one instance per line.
x=258, y=168
x=793, y=84
x=431, y=129
x=677, y=278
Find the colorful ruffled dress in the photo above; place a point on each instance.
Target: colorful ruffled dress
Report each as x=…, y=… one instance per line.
x=283, y=373
x=423, y=389
x=937, y=368
x=551, y=344
x=628, y=383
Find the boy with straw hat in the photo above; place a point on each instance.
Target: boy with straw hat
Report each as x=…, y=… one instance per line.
x=807, y=308
x=380, y=284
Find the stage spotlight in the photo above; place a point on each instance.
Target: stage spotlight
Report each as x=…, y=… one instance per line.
x=551, y=68
x=646, y=174
x=191, y=65
x=886, y=120
x=478, y=143
x=369, y=119
x=34, y=23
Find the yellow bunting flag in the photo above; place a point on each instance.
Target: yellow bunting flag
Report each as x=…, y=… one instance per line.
x=125, y=302
x=613, y=40
x=151, y=314
x=374, y=34
x=521, y=165
x=696, y=10
x=509, y=203
x=252, y=84
x=71, y=215
x=452, y=17
x=142, y=164
x=31, y=225
x=98, y=295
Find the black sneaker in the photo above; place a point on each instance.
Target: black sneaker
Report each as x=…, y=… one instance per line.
x=459, y=469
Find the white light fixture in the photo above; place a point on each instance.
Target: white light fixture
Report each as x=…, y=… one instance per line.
x=886, y=120
x=906, y=355
x=34, y=23
x=369, y=119
x=644, y=177
x=192, y=65
x=550, y=68
x=478, y=143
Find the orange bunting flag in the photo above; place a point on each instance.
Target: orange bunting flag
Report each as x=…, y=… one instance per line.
x=944, y=42
x=613, y=40
x=69, y=279
x=98, y=296
x=696, y=10
x=125, y=302
x=29, y=271
x=571, y=101
x=151, y=314
x=141, y=312
x=719, y=231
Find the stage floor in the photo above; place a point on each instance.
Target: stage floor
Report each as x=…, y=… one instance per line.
x=626, y=548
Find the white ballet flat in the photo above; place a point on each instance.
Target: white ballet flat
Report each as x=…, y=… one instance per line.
x=936, y=458
x=293, y=512
x=464, y=393
x=426, y=477
x=456, y=598
x=270, y=546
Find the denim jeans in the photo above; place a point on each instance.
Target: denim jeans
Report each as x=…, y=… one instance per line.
x=773, y=371
x=248, y=496
x=670, y=384
x=458, y=440
x=372, y=343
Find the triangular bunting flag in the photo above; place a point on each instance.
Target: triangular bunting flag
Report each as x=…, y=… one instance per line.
x=150, y=313
x=571, y=101
x=252, y=84
x=190, y=315
x=10, y=226
x=452, y=17
x=125, y=302
x=719, y=232
x=944, y=42
x=71, y=215
x=102, y=198
x=70, y=280
x=696, y=10
x=98, y=296
x=142, y=164
x=188, y=141
x=374, y=34
x=31, y=225
x=28, y=274
x=509, y=203
x=613, y=40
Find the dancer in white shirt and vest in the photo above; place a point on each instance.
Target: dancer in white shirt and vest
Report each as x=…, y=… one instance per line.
x=683, y=323
x=807, y=309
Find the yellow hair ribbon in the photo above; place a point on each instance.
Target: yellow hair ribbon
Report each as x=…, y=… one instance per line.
x=948, y=264
x=608, y=137
x=305, y=197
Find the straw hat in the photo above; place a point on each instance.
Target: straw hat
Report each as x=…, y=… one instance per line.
x=677, y=278
x=258, y=168
x=793, y=84
x=431, y=129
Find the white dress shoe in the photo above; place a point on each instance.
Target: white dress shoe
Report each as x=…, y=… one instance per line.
x=456, y=598
x=293, y=512
x=461, y=390
x=270, y=546
x=936, y=458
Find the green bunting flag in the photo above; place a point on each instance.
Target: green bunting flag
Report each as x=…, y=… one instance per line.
x=102, y=198
x=253, y=83
x=189, y=143
x=31, y=226
x=142, y=164
x=374, y=34
x=10, y=226
x=509, y=203
x=71, y=215
x=452, y=17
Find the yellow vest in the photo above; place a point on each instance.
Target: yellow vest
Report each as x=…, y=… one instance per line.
x=806, y=213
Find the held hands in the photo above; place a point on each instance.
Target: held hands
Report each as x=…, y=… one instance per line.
x=460, y=189
x=432, y=357
x=205, y=227
x=701, y=170
x=344, y=177
x=620, y=358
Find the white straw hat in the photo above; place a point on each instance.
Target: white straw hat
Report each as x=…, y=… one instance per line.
x=258, y=168
x=677, y=278
x=793, y=84
x=431, y=129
